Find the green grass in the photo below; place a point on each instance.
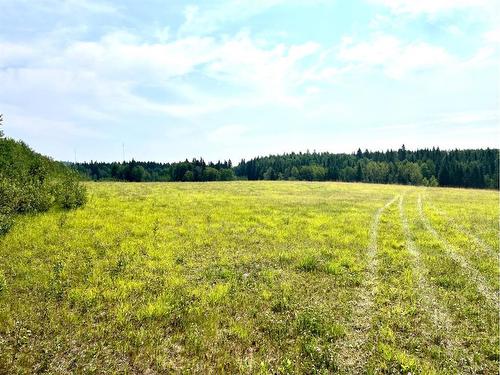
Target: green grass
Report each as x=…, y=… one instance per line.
x=254, y=277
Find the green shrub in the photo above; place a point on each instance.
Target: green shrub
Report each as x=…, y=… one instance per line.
x=6, y=222
x=31, y=183
x=70, y=193
x=32, y=196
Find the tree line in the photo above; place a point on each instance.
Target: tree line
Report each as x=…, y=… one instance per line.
x=430, y=167
x=136, y=171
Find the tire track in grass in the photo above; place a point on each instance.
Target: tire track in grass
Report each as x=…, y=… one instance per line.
x=352, y=352
x=480, y=282
x=487, y=249
x=439, y=315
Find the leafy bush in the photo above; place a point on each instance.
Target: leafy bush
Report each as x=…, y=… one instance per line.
x=70, y=193
x=6, y=223
x=30, y=183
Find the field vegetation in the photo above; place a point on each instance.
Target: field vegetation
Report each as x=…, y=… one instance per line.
x=254, y=277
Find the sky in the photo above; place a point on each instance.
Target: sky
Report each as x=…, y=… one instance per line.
x=170, y=80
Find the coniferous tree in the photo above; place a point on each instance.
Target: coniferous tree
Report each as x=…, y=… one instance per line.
x=359, y=173
x=444, y=173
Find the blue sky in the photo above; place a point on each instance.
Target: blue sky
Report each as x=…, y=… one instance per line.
x=232, y=79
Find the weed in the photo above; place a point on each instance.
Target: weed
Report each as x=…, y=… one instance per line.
x=309, y=263
x=3, y=283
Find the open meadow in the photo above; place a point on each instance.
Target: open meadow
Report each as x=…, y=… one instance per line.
x=254, y=277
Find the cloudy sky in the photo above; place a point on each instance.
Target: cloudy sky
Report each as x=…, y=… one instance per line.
x=230, y=79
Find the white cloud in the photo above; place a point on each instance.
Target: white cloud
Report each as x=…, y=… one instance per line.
x=123, y=56
x=312, y=90
x=484, y=56
x=205, y=20
x=105, y=73
x=429, y=7
x=64, y=6
x=162, y=34
x=209, y=18
x=12, y=54
x=393, y=56
x=41, y=127
x=472, y=119
x=487, y=54
x=89, y=5
x=454, y=30
x=271, y=73
x=492, y=36
x=227, y=133
x=325, y=74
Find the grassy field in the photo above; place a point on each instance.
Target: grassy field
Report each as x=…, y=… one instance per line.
x=254, y=277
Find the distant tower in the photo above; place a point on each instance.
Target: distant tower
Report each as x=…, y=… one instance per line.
x=123, y=151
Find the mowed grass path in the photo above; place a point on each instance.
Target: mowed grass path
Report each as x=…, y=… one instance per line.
x=254, y=277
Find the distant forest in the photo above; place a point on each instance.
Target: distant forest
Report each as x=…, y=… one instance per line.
x=429, y=167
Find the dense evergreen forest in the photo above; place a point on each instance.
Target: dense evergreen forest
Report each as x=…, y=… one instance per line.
x=430, y=167
x=30, y=183
x=136, y=171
